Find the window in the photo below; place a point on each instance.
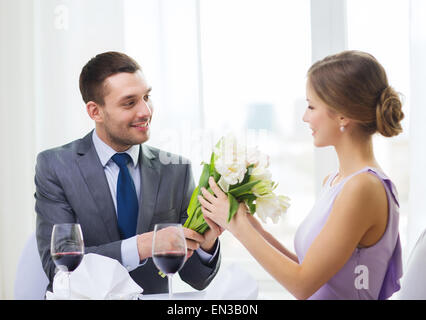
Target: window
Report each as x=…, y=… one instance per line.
x=255, y=56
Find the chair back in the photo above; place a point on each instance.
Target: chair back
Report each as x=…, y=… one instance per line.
x=31, y=281
x=413, y=283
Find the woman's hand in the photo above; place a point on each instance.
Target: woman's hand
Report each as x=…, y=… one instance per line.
x=216, y=207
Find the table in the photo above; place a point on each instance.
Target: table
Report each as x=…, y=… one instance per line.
x=193, y=295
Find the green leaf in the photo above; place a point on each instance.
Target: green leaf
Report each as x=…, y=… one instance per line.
x=246, y=188
x=199, y=213
x=248, y=174
x=233, y=206
x=203, y=228
x=212, y=158
x=251, y=205
x=216, y=176
x=213, y=172
x=193, y=203
x=204, y=178
x=247, y=196
x=245, y=179
x=197, y=222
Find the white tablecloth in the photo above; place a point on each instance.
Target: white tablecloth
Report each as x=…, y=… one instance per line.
x=194, y=295
x=231, y=283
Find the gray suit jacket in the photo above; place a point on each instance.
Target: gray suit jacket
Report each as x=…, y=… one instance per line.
x=71, y=186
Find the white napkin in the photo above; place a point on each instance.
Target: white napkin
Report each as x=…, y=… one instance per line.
x=233, y=283
x=96, y=278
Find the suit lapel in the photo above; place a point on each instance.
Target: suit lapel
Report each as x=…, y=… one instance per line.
x=94, y=175
x=150, y=181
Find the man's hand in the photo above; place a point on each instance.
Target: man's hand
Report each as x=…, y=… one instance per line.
x=144, y=243
x=193, y=240
x=211, y=235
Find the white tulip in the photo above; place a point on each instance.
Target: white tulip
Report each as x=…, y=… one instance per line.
x=272, y=206
x=223, y=184
x=260, y=173
x=230, y=161
x=264, y=188
x=232, y=173
x=256, y=158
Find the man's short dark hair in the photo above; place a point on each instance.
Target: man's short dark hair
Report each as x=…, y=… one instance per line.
x=98, y=69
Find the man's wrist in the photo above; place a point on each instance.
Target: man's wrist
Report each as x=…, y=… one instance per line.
x=144, y=243
x=205, y=257
x=209, y=246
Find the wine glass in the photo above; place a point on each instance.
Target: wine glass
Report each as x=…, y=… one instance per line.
x=67, y=248
x=169, y=250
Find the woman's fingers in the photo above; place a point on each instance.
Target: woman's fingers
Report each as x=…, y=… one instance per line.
x=213, y=217
x=207, y=214
x=217, y=191
x=205, y=204
x=207, y=196
x=217, y=228
x=213, y=226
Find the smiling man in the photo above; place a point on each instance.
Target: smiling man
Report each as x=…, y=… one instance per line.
x=115, y=186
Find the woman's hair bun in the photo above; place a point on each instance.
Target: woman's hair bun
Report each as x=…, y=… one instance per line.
x=389, y=113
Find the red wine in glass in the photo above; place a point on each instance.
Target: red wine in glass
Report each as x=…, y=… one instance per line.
x=169, y=249
x=67, y=261
x=169, y=262
x=67, y=248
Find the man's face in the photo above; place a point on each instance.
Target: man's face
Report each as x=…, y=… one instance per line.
x=124, y=119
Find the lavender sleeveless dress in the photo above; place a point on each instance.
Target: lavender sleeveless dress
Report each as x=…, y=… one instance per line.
x=380, y=265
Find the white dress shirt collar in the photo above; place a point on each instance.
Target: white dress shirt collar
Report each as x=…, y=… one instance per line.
x=105, y=152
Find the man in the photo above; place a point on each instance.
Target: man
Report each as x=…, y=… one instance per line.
x=115, y=186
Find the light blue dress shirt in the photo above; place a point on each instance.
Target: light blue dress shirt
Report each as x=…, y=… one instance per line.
x=129, y=249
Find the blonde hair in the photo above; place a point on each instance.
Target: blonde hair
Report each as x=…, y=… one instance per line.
x=354, y=84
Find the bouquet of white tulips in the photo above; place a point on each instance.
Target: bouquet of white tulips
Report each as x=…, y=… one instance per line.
x=242, y=173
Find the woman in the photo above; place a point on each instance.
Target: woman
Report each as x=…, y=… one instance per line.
x=348, y=246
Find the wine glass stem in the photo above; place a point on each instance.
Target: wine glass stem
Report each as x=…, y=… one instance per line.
x=69, y=285
x=169, y=277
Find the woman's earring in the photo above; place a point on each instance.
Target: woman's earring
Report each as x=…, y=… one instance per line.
x=342, y=129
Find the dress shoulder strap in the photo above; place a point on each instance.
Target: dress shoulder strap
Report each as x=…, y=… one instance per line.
x=330, y=178
x=388, y=182
x=379, y=174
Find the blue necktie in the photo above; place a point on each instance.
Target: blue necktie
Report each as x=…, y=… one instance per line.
x=127, y=200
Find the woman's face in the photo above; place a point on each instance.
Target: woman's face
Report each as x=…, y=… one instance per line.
x=324, y=124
